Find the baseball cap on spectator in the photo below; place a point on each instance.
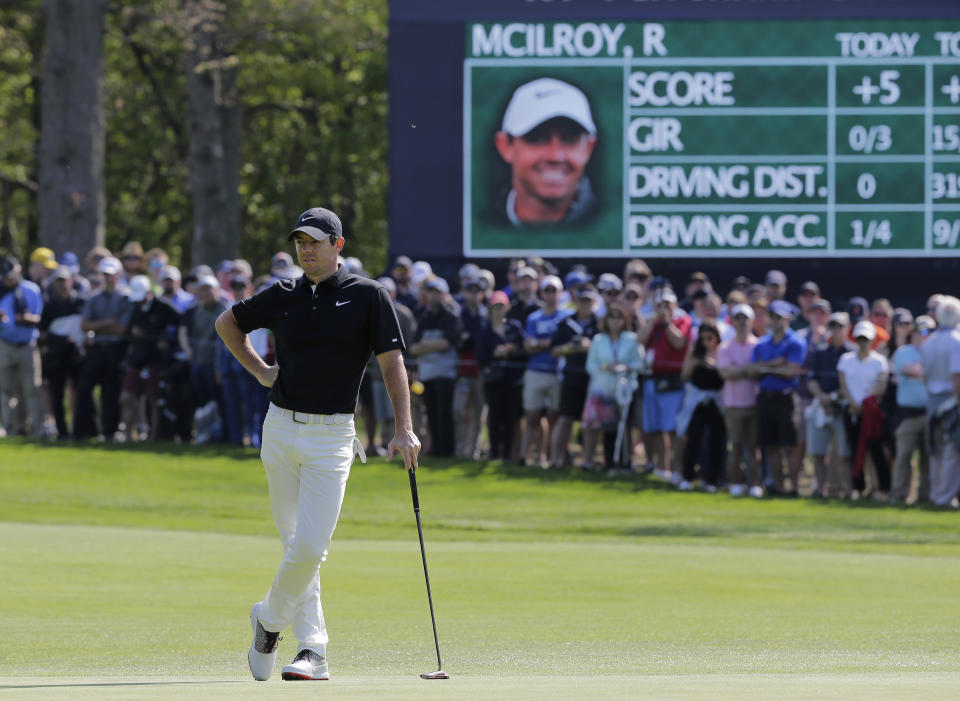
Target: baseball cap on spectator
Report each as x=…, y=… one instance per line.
x=45, y=256
x=468, y=270
x=131, y=249
x=741, y=282
x=742, y=310
x=925, y=324
x=665, y=294
x=479, y=282
x=438, y=284
x=901, y=315
x=527, y=271
x=202, y=270
x=207, y=281
x=388, y=283
x=638, y=268
x=490, y=278
x=109, y=266
x=781, y=308
x=240, y=280
x=420, y=271
x=280, y=261
x=810, y=286
x=776, y=277
x=243, y=267
x=139, y=287
x=226, y=266
x=702, y=293
x=7, y=265
x=61, y=272
x=586, y=293
x=839, y=319
x=170, y=272
x=699, y=277
x=70, y=259
x=577, y=277
x=657, y=282
x=499, y=297
x=551, y=281
x=865, y=329
x=609, y=281
x=353, y=265
x=857, y=307
x=823, y=305
x=318, y=223
x=403, y=262
x=539, y=100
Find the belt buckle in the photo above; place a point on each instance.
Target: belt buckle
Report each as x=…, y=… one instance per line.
x=296, y=421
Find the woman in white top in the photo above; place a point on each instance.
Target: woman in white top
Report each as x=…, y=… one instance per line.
x=863, y=374
x=614, y=357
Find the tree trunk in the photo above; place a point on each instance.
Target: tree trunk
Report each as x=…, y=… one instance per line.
x=70, y=198
x=214, y=126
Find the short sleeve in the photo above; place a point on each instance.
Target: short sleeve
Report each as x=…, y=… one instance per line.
x=257, y=312
x=797, y=352
x=955, y=360
x=385, y=329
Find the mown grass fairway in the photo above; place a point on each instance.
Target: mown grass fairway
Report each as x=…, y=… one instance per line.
x=128, y=573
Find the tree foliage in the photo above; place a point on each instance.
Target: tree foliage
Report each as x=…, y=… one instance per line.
x=312, y=81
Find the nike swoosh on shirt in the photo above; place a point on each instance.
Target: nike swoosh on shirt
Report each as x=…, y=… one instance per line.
x=393, y=340
x=340, y=304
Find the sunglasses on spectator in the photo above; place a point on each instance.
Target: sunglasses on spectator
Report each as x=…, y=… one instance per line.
x=611, y=292
x=880, y=312
x=904, y=323
x=632, y=295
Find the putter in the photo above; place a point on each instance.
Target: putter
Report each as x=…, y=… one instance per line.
x=439, y=674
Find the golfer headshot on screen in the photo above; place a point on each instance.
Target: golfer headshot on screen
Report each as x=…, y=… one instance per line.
x=547, y=138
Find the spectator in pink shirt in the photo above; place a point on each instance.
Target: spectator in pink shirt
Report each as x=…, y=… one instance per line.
x=739, y=401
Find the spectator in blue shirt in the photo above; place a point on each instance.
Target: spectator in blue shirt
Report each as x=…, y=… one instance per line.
x=541, y=383
x=21, y=304
x=778, y=362
x=911, y=413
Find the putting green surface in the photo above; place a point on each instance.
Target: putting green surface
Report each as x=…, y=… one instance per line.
x=529, y=605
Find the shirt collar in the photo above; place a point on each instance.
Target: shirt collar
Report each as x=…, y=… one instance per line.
x=334, y=282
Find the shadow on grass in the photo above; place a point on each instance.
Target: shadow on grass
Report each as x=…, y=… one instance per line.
x=220, y=450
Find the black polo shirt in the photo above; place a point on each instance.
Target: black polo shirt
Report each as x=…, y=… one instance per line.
x=323, y=338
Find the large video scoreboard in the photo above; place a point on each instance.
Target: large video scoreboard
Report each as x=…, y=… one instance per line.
x=719, y=135
x=727, y=139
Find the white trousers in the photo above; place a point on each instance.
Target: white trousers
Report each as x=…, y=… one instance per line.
x=307, y=466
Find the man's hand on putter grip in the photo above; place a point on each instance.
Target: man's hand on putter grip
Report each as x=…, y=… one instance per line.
x=408, y=445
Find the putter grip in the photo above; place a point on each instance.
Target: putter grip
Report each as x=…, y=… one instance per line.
x=413, y=491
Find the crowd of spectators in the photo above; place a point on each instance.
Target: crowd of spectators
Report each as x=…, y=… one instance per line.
x=755, y=392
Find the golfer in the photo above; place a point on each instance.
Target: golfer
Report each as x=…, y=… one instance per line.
x=325, y=325
x=547, y=137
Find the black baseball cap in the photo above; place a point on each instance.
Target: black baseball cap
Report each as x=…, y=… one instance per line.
x=318, y=223
x=7, y=265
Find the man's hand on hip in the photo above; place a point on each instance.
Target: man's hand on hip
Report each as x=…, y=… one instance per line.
x=408, y=445
x=268, y=376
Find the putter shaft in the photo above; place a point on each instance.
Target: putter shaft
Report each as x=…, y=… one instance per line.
x=423, y=554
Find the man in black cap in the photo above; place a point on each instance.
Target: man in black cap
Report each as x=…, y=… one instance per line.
x=325, y=325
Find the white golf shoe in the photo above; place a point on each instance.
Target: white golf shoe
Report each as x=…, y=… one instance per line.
x=263, y=650
x=306, y=666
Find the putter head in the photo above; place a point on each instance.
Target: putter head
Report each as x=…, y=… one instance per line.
x=439, y=674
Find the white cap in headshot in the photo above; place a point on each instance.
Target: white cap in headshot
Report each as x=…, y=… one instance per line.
x=744, y=309
x=865, y=329
x=170, y=272
x=208, y=281
x=139, y=287
x=535, y=102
